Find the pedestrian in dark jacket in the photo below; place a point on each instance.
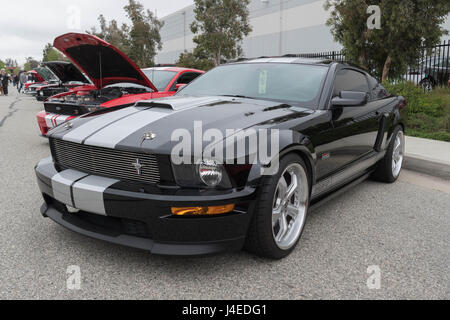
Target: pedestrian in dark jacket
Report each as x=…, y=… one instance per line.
x=23, y=78
x=4, y=81
x=15, y=80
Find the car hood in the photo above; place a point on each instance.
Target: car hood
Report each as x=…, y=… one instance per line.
x=41, y=74
x=124, y=128
x=66, y=71
x=103, y=63
x=45, y=86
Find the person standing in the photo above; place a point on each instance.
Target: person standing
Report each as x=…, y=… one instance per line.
x=14, y=80
x=23, y=78
x=4, y=81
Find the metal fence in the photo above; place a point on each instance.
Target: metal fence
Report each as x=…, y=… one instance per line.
x=432, y=68
x=332, y=55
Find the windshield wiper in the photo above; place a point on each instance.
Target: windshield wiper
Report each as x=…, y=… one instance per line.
x=237, y=96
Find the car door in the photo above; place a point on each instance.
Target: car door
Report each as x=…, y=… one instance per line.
x=354, y=128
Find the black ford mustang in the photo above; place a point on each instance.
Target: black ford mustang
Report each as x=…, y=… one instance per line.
x=112, y=174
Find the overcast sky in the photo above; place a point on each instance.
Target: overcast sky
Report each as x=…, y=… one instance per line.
x=27, y=25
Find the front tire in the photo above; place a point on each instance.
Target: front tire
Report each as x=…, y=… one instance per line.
x=281, y=210
x=390, y=167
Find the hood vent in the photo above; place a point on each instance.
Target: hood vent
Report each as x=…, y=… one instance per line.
x=150, y=104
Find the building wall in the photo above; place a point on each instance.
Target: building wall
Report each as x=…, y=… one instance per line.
x=279, y=27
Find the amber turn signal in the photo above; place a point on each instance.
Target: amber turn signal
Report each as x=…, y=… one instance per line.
x=198, y=211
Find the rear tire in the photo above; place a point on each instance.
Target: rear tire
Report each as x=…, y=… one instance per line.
x=390, y=166
x=280, y=214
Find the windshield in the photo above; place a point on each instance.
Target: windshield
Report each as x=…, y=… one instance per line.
x=291, y=83
x=159, y=78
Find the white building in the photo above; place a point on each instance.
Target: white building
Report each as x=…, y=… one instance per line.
x=279, y=27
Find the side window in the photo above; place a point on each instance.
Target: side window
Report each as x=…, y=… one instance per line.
x=350, y=80
x=377, y=91
x=185, y=78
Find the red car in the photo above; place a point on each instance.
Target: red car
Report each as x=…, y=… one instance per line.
x=117, y=81
x=36, y=79
x=68, y=77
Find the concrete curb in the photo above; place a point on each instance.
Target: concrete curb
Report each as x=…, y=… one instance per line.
x=426, y=166
x=427, y=156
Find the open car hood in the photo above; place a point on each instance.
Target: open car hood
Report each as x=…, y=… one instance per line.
x=103, y=63
x=42, y=74
x=66, y=71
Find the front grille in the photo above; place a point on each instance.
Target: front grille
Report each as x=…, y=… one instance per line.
x=53, y=91
x=65, y=109
x=105, y=162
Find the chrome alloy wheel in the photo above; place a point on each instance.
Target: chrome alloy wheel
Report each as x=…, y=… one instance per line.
x=398, y=154
x=427, y=85
x=290, y=206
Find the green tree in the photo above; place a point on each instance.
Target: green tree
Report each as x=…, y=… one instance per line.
x=406, y=26
x=220, y=27
x=195, y=61
x=31, y=64
x=140, y=40
x=12, y=63
x=2, y=64
x=111, y=33
x=51, y=54
x=144, y=38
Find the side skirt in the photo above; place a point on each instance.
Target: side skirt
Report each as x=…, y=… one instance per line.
x=325, y=199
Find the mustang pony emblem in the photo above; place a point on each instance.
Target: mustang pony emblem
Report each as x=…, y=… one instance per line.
x=149, y=136
x=138, y=166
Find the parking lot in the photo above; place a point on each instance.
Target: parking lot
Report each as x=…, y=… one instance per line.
x=402, y=229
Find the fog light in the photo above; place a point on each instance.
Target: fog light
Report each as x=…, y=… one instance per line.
x=199, y=211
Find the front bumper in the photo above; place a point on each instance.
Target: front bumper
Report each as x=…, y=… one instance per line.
x=123, y=213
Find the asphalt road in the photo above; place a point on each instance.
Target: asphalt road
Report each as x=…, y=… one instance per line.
x=401, y=228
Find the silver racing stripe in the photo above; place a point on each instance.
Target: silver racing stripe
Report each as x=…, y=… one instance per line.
x=62, y=183
x=109, y=129
x=111, y=135
x=46, y=169
x=77, y=189
x=88, y=194
x=45, y=163
x=179, y=102
x=79, y=134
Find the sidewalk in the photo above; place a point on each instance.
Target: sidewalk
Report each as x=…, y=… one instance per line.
x=428, y=156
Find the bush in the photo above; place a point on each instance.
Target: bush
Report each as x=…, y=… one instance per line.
x=428, y=114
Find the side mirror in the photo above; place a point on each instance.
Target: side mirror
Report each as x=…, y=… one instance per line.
x=350, y=99
x=180, y=86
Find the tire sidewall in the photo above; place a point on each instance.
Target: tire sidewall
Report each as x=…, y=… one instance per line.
x=265, y=205
x=390, y=154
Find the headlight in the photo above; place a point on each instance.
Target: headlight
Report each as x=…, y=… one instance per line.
x=41, y=93
x=87, y=99
x=207, y=174
x=210, y=173
x=92, y=109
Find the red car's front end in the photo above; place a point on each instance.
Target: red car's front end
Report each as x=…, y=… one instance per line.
x=116, y=81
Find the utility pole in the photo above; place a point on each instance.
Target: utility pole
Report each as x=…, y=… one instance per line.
x=184, y=29
x=280, y=48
